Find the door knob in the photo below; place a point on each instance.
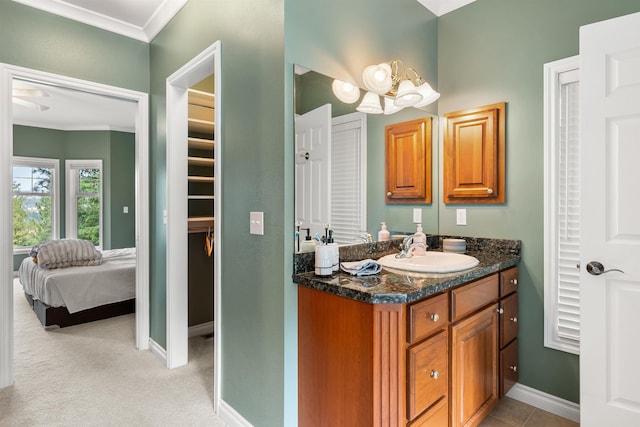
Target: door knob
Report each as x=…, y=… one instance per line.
x=596, y=268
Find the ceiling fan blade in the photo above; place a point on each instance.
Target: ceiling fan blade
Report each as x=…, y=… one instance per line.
x=29, y=93
x=29, y=104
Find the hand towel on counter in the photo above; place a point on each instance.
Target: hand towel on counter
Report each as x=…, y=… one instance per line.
x=366, y=267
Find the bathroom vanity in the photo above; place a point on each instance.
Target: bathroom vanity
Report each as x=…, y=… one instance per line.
x=409, y=349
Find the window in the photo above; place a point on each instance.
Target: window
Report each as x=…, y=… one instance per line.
x=35, y=201
x=84, y=200
x=562, y=206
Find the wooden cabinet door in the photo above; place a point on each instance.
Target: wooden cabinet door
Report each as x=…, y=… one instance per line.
x=474, y=155
x=427, y=374
x=474, y=367
x=508, y=367
x=408, y=161
x=508, y=319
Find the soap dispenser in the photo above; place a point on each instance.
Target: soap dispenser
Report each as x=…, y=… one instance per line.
x=309, y=245
x=420, y=237
x=383, y=234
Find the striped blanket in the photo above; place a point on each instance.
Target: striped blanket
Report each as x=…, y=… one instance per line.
x=65, y=253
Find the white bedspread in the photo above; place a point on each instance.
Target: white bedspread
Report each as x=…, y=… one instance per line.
x=81, y=288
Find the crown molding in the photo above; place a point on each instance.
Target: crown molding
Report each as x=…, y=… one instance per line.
x=162, y=15
x=440, y=7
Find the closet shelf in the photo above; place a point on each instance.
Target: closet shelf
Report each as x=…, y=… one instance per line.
x=201, y=144
x=202, y=99
x=200, y=224
x=194, y=178
x=200, y=161
x=198, y=126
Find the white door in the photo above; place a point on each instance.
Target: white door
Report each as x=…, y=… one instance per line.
x=312, y=169
x=610, y=218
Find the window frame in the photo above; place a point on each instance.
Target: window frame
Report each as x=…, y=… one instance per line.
x=71, y=196
x=42, y=162
x=552, y=93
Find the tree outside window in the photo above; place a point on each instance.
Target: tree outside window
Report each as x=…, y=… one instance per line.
x=33, y=201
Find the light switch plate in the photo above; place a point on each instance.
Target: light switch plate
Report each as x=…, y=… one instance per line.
x=461, y=217
x=417, y=216
x=125, y=209
x=256, y=223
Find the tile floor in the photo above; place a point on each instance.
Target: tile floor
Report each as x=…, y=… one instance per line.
x=512, y=413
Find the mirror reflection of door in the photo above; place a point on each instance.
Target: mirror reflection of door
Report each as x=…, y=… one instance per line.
x=330, y=172
x=312, y=169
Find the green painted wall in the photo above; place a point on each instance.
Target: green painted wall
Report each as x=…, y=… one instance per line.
x=116, y=149
x=42, y=41
x=491, y=51
x=122, y=189
x=253, y=179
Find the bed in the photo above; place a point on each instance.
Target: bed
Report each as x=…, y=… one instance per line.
x=71, y=295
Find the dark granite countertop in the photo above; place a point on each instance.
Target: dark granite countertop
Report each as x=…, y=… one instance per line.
x=397, y=288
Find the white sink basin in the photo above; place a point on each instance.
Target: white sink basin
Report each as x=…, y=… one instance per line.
x=432, y=262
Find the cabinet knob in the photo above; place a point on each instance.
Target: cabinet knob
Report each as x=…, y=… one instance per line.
x=513, y=319
x=389, y=193
x=434, y=316
x=489, y=191
x=434, y=374
x=513, y=281
x=513, y=368
x=499, y=310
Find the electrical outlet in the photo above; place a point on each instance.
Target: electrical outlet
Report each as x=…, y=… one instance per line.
x=256, y=223
x=417, y=216
x=461, y=217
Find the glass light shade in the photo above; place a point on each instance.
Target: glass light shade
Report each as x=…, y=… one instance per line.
x=345, y=92
x=407, y=95
x=390, y=107
x=428, y=95
x=370, y=104
x=377, y=78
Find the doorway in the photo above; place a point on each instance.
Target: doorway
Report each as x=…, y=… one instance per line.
x=205, y=64
x=8, y=74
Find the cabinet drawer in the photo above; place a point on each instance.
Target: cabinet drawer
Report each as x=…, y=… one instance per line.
x=436, y=416
x=508, y=367
x=508, y=281
x=468, y=298
x=427, y=374
x=508, y=319
x=427, y=317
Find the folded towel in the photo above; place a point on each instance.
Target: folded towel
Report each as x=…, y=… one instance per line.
x=366, y=267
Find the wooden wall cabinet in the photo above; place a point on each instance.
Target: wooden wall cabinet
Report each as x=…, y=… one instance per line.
x=474, y=155
x=408, y=162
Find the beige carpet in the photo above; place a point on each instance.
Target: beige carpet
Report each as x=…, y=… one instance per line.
x=92, y=375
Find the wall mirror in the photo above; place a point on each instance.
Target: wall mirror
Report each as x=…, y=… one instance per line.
x=340, y=165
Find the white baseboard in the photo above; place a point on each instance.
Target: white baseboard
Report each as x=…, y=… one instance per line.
x=157, y=349
x=546, y=402
x=231, y=417
x=201, y=329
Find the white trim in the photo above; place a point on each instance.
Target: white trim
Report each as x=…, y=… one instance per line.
x=203, y=65
x=71, y=184
x=231, y=417
x=546, y=402
x=146, y=32
x=550, y=124
x=157, y=350
x=7, y=74
x=201, y=329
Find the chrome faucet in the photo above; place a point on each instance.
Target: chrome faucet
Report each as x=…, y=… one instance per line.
x=408, y=247
x=366, y=237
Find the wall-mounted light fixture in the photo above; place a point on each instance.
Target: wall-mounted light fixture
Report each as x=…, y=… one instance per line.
x=400, y=87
